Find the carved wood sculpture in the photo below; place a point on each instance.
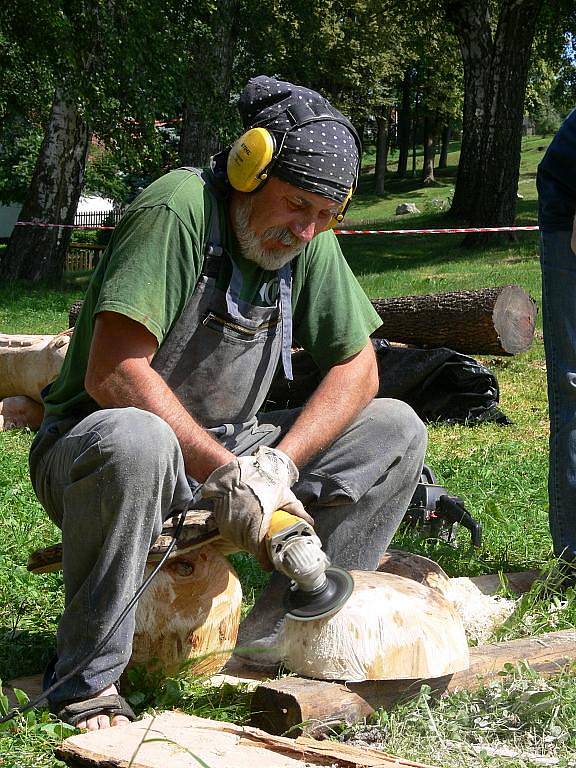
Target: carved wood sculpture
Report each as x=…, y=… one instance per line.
x=480, y=612
x=391, y=628
x=27, y=364
x=190, y=613
x=490, y=321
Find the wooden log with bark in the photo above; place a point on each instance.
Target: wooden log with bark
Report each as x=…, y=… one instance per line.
x=296, y=704
x=489, y=321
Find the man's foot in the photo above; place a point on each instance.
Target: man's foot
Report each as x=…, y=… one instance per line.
x=260, y=634
x=97, y=722
x=263, y=651
x=103, y=710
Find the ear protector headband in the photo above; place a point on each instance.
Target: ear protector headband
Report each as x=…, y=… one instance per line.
x=253, y=156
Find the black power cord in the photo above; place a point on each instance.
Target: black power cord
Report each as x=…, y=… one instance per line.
x=87, y=659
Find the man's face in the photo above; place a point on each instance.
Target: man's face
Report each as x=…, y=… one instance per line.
x=274, y=224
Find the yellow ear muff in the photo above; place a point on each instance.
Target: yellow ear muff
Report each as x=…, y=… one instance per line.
x=336, y=220
x=249, y=159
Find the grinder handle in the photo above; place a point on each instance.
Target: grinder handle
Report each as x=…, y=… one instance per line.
x=281, y=520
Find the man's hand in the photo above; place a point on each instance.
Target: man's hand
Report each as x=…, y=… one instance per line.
x=247, y=492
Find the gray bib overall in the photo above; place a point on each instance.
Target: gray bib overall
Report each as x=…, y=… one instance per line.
x=221, y=355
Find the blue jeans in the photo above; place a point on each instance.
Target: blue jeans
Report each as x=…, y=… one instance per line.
x=558, y=263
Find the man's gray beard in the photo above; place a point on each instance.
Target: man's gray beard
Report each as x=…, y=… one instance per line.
x=251, y=245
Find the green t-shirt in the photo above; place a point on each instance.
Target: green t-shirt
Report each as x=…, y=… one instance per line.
x=152, y=264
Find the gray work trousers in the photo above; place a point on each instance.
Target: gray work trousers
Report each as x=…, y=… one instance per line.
x=110, y=480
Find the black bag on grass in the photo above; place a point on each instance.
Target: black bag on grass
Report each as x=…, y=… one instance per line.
x=440, y=384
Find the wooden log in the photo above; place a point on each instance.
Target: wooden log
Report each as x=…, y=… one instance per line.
x=28, y=363
x=296, y=704
x=390, y=628
x=489, y=321
x=189, y=614
x=20, y=411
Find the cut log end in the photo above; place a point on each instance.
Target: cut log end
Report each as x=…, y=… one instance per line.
x=489, y=321
x=514, y=319
x=20, y=412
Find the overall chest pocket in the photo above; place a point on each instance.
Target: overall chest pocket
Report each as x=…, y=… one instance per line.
x=240, y=330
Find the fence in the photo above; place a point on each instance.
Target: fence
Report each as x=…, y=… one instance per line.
x=98, y=218
x=82, y=256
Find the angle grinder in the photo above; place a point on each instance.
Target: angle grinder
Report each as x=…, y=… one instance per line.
x=317, y=589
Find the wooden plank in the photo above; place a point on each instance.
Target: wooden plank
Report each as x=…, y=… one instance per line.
x=182, y=741
x=199, y=529
x=297, y=705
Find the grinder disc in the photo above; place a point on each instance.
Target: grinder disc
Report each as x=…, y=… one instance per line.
x=323, y=602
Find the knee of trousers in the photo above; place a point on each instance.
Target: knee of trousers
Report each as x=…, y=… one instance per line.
x=386, y=436
x=388, y=422
x=141, y=441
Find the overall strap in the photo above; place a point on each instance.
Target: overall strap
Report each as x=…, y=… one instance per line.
x=213, y=249
x=213, y=252
x=285, y=286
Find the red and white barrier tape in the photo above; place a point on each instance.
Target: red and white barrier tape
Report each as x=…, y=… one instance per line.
x=58, y=226
x=461, y=230
x=453, y=231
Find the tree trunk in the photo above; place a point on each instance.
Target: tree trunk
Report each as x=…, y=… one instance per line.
x=381, y=154
x=415, y=132
x=429, y=142
x=443, y=159
x=495, y=76
x=490, y=321
x=404, y=127
x=38, y=253
x=208, y=89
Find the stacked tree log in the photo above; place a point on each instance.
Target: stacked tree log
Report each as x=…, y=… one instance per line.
x=489, y=321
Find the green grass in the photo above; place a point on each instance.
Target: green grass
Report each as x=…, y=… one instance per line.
x=500, y=472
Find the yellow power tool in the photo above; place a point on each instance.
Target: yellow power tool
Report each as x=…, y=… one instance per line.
x=317, y=589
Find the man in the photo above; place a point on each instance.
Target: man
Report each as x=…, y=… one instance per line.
x=192, y=309
x=556, y=181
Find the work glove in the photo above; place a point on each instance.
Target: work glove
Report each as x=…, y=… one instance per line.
x=247, y=491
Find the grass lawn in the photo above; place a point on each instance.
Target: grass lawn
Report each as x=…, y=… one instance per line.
x=499, y=471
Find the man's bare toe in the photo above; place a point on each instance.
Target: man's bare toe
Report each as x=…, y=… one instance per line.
x=101, y=721
x=120, y=720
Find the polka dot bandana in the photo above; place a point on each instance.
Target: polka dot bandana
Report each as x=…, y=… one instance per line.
x=319, y=151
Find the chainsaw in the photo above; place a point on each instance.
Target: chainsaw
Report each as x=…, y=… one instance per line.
x=435, y=513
